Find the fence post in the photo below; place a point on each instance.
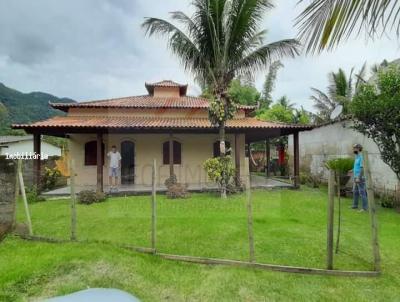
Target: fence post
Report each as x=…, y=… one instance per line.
x=372, y=213
x=331, y=208
x=26, y=206
x=71, y=164
x=153, y=208
x=16, y=196
x=249, y=212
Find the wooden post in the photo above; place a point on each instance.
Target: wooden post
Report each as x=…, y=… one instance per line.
x=99, y=159
x=237, y=159
x=36, y=161
x=296, y=158
x=17, y=186
x=153, y=207
x=372, y=213
x=71, y=165
x=331, y=208
x=267, y=156
x=26, y=206
x=249, y=212
x=171, y=155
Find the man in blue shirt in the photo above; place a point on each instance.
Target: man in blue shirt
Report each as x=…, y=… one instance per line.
x=359, y=189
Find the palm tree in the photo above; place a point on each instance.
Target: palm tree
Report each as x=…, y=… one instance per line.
x=323, y=104
x=325, y=23
x=219, y=42
x=340, y=92
x=285, y=103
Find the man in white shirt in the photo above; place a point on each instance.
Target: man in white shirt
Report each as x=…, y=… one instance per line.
x=115, y=164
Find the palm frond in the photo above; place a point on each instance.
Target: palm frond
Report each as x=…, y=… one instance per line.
x=180, y=44
x=323, y=24
x=264, y=55
x=242, y=24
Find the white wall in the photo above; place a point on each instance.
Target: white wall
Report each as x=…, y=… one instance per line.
x=336, y=140
x=27, y=146
x=196, y=148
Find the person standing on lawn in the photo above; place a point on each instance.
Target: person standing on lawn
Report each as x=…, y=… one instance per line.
x=359, y=189
x=115, y=164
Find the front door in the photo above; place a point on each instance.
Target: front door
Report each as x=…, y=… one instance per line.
x=127, y=162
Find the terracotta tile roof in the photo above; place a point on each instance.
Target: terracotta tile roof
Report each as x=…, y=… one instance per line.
x=166, y=83
x=153, y=123
x=144, y=101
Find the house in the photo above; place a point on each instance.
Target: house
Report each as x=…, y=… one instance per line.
x=12, y=145
x=165, y=124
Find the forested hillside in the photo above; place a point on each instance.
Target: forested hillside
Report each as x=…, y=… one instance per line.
x=18, y=107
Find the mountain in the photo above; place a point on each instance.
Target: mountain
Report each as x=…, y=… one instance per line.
x=28, y=107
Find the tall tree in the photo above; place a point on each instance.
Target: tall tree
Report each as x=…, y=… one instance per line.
x=323, y=24
x=220, y=41
x=243, y=93
x=376, y=108
x=269, y=84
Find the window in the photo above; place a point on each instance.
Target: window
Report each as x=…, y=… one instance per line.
x=216, y=148
x=176, y=155
x=91, y=153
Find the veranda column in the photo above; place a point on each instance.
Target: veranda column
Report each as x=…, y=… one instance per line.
x=36, y=161
x=171, y=155
x=237, y=159
x=296, y=158
x=267, y=156
x=99, y=160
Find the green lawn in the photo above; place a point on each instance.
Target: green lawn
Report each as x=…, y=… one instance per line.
x=289, y=227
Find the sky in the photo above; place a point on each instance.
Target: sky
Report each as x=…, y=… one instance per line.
x=96, y=49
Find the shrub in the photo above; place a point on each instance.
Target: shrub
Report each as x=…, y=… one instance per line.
x=177, y=190
x=390, y=199
x=234, y=187
x=32, y=195
x=50, y=177
x=90, y=196
x=309, y=180
x=220, y=170
x=172, y=180
x=340, y=165
x=387, y=201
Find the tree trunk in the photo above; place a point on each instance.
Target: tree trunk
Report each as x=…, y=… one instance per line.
x=222, y=154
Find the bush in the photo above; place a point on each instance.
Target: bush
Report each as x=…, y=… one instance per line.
x=90, y=196
x=340, y=165
x=387, y=201
x=220, y=170
x=309, y=180
x=390, y=199
x=50, y=178
x=175, y=189
x=32, y=195
x=233, y=187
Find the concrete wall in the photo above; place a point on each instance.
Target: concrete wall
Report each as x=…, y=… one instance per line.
x=27, y=146
x=7, y=195
x=196, y=148
x=336, y=140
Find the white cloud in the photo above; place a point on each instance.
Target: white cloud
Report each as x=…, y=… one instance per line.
x=96, y=49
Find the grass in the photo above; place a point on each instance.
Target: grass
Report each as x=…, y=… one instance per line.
x=289, y=228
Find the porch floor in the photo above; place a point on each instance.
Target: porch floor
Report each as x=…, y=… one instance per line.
x=257, y=181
